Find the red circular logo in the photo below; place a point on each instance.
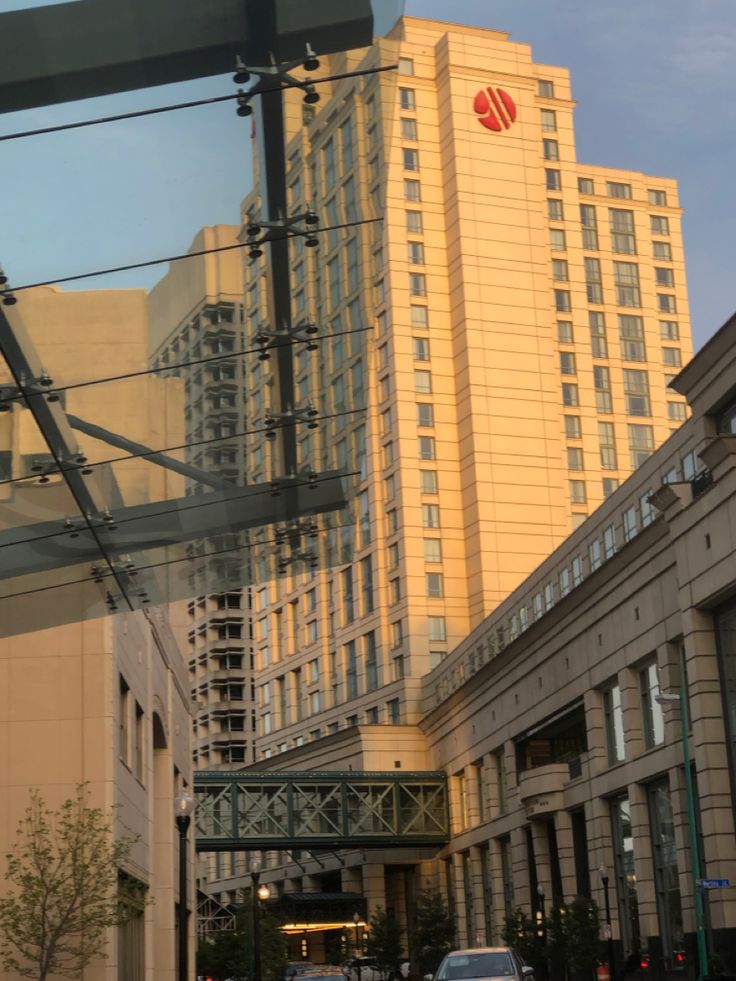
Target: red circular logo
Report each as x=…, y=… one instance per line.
x=495, y=107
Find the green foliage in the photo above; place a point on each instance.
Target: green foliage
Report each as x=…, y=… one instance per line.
x=229, y=953
x=384, y=941
x=520, y=932
x=583, y=935
x=65, y=891
x=435, y=931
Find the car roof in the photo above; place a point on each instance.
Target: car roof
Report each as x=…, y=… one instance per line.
x=481, y=950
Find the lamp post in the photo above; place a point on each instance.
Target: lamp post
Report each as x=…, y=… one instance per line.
x=609, y=932
x=183, y=810
x=259, y=894
x=681, y=698
x=356, y=921
x=542, y=931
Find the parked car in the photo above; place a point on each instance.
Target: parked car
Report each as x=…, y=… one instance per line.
x=297, y=968
x=483, y=963
x=369, y=969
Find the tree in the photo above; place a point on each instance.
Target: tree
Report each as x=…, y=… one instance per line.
x=520, y=932
x=66, y=889
x=583, y=931
x=384, y=941
x=229, y=953
x=435, y=931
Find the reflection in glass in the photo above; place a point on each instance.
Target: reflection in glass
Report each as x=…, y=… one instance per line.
x=664, y=851
x=614, y=724
x=623, y=855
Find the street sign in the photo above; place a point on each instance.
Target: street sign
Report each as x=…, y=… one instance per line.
x=713, y=883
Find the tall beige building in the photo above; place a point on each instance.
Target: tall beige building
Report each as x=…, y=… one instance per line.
x=511, y=328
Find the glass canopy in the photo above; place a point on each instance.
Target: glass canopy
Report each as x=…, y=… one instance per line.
x=188, y=290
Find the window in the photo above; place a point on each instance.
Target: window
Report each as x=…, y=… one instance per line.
x=412, y=190
x=629, y=523
x=647, y=509
x=559, y=270
x=570, y=394
x=590, y=226
x=550, y=149
x=666, y=303
x=676, y=411
x=428, y=481
x=626, y=278
x=567, y=363
x=659, y=225
x=427, y=448
x=598, y=342
x=577, y=492
x=437, y=628
x=425, y=414
x=594, y=554
x=607, y=441
x=602, y=384
x=419, y=316
x=430, y=515
x=417, y=284
x=393, y=710
x=411, y=159
x=577, y=570
x=593, y=280
x=435, y=585
x=564, y=332
x=618, y=190
x=351, y=670
x=574, y=458
x=572, y=427
x=423, y=382
x=586, y=185
x=650, y=708
x=631, y=329
x=671, y=357
x=552, y=178
x=414, y=222
x=562, y=301
x=662, y=250
x=406, y=66
x=549, y=120
x=557, y=242
x=657, y=198
x=669, y=330
x=432, y=550
x=636, y=392
x=545, y=88
x=554, y=209
x=408, y=129
x=416, y=253
x=407, y=99
x=392, y=522
x=664, y=276
x=397, y=634
x=623, y=239
x=641, y=444
x=564, y=580
x=124, y=720
x=371, y=661
x=420, y=347
x=609, y=541
x=614, y=716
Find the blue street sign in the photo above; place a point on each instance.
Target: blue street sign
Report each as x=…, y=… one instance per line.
x=714, y=883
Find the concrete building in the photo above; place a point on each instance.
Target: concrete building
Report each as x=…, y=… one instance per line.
x=99, y=700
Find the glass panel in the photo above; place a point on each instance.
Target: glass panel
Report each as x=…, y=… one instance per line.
x=170, y=424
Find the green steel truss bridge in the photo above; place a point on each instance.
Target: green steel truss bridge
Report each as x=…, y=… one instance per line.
x=286, y=810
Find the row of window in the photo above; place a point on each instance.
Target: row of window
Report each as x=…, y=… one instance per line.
x=620, y=224
x=631, y=327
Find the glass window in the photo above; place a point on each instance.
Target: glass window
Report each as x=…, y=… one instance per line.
x=572, y=427
x=574, y=458
x=662, y=250
x=651, y=709
x=666, y=877
x=570, y=394
x=435, y=585
x=550, y=149
x=626, y=279
x=624, y=869
x=593, y=285
x=430, y=515
x=437, y=628
x=419, y=316
x=609, y=541
x=607, y=441
x=428, y=481
x=598, y=342
x=659, y=225
x=545, y=88
x=567, y=362
x=406, y=66
x=553, y=180
x=594, y=554
x=629, y=523
x=641, y=444
x=557, y=241
x=669, y=330
x=411, y=159
x=676, y=411
x=420, y=347
x=414, y=222
x=658, y=198
x=412, y=190
x=577, y=492
x=416, y=253
x=408, y=129
x=425, y=414
x=666, y=303
x=602, y=384
x=417, y=284
x=586, y=185
x=623, y=239
x=559, y=270
x=664, y=276
x=423, y=382
x=646, y=508
x=549, y=120
x=427, y=448
x=614, y=724
x=631, y=330
x=589, y=223
x=577, y=570
x=618, y=190
x=636, y=392
x=562, y=301
x=554, y=209
x=407, y=99
x=432, y=550
x=564, y=332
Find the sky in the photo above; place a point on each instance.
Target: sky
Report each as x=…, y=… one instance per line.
x=655, y=90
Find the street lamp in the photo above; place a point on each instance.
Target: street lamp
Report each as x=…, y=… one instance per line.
x=670, y=698
x=542, y=928
x=609, y=933
x=356, y=921
x=259, y=893
x=183, y=810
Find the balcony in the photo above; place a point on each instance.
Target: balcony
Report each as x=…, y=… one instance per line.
x=541, y=788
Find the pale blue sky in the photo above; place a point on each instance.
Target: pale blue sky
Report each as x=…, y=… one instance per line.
x=653, y=80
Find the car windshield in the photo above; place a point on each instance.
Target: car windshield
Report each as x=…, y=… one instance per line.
x=489, y=965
